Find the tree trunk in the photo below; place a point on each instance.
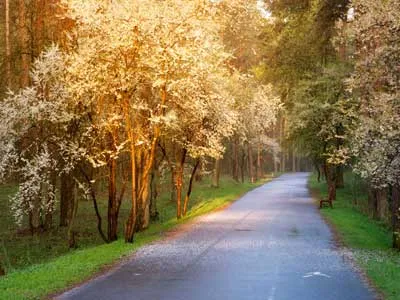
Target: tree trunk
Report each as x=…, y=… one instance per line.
x=382, y=204
x=131, y=222
x=325, y=171
x=24, y=43
x=189, y=191
x=216, y=173
x=293, y=161
x=199, y=177
x=250, y=157
x=51, y=201
x=72, y=243
x=8, y=46
x=236, y=159
x=34, y=216
x=317, y=168
x=66, y=199
x=331, y=178
x=396, y=217
x=298, y=165
x=259, y=163
x=95, y=206
x=281, y=137
x=339, y=177
x=372, y=203
x=40, y=10
x=242, y=163
x=179, y=183
x=112, y=201
x=154, y=215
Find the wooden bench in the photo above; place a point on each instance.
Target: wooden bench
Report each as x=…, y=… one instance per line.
x=327, y=201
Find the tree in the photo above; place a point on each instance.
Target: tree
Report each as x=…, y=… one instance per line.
x=375, y=35
x=29, y=147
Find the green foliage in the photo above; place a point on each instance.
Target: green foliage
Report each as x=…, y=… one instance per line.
x=320, y=116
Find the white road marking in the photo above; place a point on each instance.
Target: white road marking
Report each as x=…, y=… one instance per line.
x=312, y=274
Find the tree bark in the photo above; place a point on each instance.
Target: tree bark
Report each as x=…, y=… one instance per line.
x=50, y=195
x=154, y=215
x=112, y=216
x=179, y=183
x=281, y=137
x=235, y=159
x=259, y=163
x=95, y=206
x=40, y=10
x=382, y=204
x=317, y=168
x=189, y=191
x=293, y=161
x=24, y=43
x=250, y=157
x=131, y=222
x=8, y=46
x=66, y=199
x=216, y=174
x=339, y=177
x=331, y=178
x=372, y=203
x=72, y=243
x=242, y=163
x=396, y=217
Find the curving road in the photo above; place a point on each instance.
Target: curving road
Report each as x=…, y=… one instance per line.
x=270, y=244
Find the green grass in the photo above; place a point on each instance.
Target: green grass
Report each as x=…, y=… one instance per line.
x=40, y=265
x=370, y=240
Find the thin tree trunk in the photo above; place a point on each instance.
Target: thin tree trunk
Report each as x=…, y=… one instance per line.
x=131, y=222
x=189, y=191
x=372, y=203
x=34, y=216
x=331, y=173
x=216, y=173
x=51, y=194
x=179, y=183
x=71, y=233
x=66, y=199
x=40, y=10
x=281, y=137
x=382, y=204
x=298, y=168
x=154, y=215
x=339, y=177
x=96, y=207
x=250, y=157
x=396, y=217
x=259, y=163
x=236, y=159
x=24, y=40
x=242, y=163
x=293, y=161
x=317, y=168
x=8, y=46
x=112, y=201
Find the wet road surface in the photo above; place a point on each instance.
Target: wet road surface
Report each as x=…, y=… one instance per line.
x=271, y=244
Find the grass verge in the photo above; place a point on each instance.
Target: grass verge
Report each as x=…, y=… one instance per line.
x=369, y=240
x=59, y=272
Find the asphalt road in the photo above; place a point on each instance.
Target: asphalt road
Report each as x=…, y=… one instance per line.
x=271, y=244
